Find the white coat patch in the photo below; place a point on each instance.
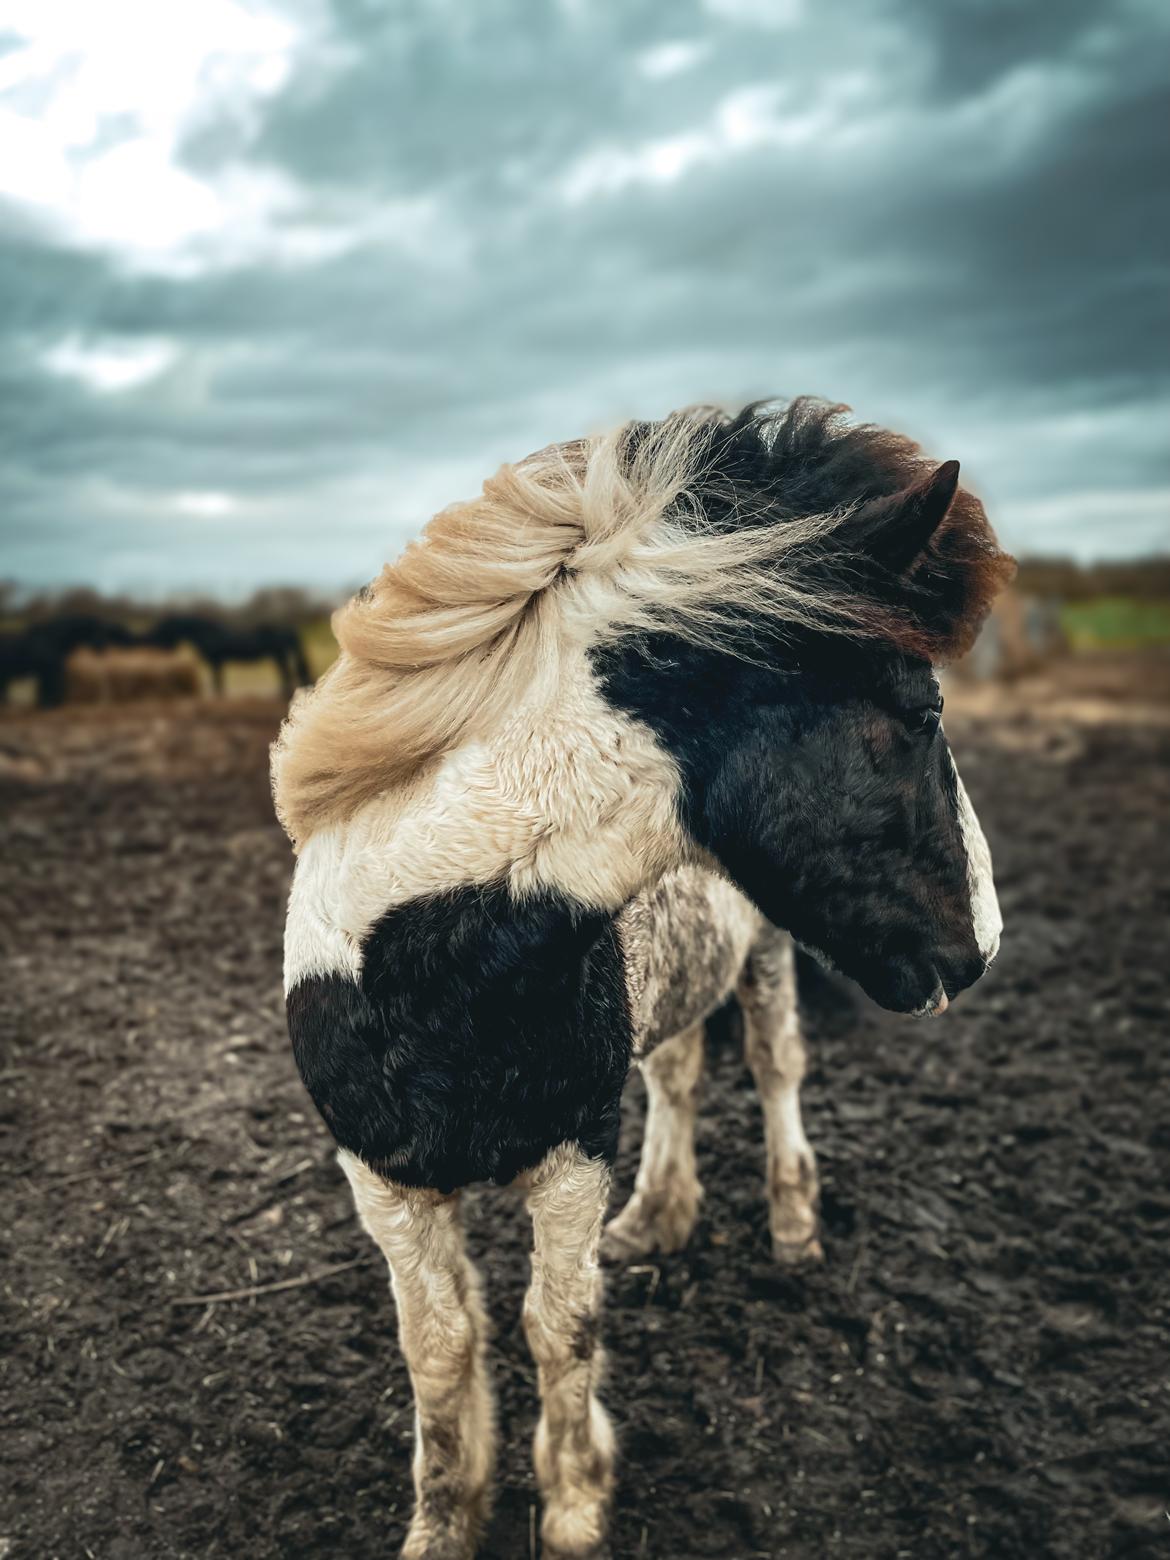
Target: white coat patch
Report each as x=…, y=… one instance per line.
x=571, y=797
x=986, y=920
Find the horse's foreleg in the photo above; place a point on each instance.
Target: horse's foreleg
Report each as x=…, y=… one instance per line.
x=775, y=1054
x=574, y=1449
x=441, y=1327
x=661, y=1214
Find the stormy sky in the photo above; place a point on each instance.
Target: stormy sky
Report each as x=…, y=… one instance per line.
x=278, y=281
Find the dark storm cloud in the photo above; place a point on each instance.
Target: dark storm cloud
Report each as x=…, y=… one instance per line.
x=526, y=224
x=975, y=41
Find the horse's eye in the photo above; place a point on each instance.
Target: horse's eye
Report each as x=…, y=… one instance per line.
x=926, y=718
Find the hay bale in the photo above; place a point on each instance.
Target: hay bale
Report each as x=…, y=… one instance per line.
x=85, y=678
x=125, y=676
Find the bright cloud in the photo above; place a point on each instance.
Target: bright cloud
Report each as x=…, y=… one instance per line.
x=96, y=102
x=750, y=118
x=207, y=505
x=671, y=59
x=110, y=366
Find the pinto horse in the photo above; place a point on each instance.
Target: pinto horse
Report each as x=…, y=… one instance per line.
x=598, y=747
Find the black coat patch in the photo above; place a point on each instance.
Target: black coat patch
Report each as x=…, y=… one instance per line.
x=483, y=1032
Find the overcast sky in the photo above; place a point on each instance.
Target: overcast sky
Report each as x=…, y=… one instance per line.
x=278, y=281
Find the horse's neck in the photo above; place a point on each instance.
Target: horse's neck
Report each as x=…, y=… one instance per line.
x=574, y=798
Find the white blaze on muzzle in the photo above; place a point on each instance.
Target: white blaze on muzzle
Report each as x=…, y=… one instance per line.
x=986, y=920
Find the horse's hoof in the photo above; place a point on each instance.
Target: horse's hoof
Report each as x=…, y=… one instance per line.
x=440, y=1549
x=798, y=1253
x=639, y=1232
x=622, y=1243
x=438, y=1546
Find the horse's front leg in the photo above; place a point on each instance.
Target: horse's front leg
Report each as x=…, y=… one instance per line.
x=662, y=1211
x=574, y=1449
x=442, y=1329
x=775, y=1053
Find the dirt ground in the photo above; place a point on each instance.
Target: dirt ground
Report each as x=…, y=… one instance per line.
x=980, y=1368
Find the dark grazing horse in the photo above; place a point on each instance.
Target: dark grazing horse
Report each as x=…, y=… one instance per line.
x=21, y=657
x=596, y=749
x=219, y=643
x=41, y=651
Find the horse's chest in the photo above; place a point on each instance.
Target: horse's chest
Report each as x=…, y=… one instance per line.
x=685, y=942
x=477, y=1035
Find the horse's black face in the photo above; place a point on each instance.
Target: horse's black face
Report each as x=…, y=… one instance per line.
x=838, y=808
x=832, y=800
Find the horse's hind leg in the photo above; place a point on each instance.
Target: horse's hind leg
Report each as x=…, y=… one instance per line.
x=441, y=1327
x=775, y=1054
x=574, y=1448
x=661, y=1214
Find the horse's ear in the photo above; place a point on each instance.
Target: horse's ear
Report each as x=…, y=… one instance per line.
x=912, y=517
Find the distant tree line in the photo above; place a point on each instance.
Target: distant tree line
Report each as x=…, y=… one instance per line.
x=290, y=604
x=1142, y=579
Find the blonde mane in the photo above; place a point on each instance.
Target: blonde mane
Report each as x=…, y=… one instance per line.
x=570, y=547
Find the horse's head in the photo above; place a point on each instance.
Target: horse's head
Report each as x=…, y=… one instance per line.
x=814, y=764
x=829, y=795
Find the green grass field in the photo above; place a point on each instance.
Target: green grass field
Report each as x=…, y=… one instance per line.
x=320, y=645
x=1116, y=623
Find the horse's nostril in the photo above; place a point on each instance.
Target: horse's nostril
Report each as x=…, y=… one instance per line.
x=963, y=972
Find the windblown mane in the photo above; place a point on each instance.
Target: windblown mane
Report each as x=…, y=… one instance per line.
x=694, y=525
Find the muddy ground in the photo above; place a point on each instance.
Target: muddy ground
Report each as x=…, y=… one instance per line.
x=980, y=1368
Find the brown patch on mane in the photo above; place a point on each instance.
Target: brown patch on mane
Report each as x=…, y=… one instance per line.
x=957, y=580
x=808, y=458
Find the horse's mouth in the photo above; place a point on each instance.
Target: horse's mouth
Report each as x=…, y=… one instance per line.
x=936, y=1006
x=932, y=1007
